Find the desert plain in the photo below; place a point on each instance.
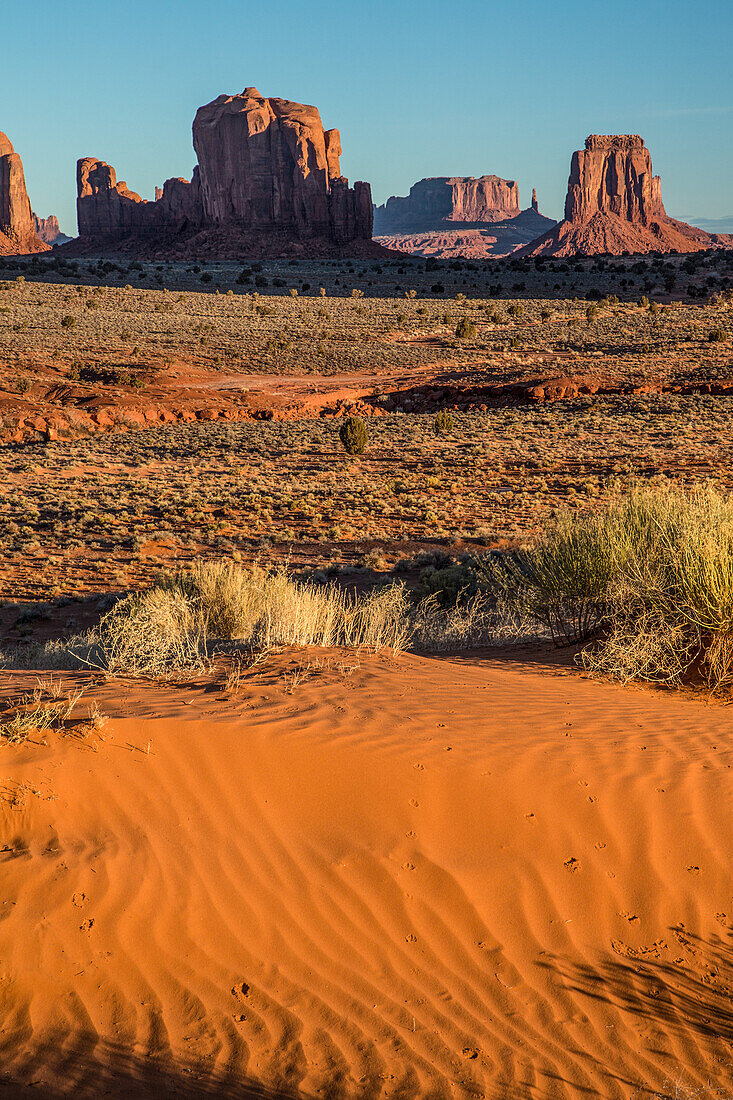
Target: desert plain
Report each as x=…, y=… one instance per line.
x=444, y=860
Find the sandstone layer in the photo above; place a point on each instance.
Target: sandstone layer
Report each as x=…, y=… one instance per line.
x=17, y=231
x=268, y=174
x=614, y=205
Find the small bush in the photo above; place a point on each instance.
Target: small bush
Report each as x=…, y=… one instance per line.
x=354, y=436
x=443, y=423
x=717, y=336
x=465, y=329
x=68, y=321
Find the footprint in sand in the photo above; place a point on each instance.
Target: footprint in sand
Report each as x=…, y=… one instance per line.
x=79, y=899
x=572, y=864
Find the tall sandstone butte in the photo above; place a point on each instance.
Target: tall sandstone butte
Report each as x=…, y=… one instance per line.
x=614, y=205
x=17, y=231
x=267, y=168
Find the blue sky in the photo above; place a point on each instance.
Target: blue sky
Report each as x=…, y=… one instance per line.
x=417, y=87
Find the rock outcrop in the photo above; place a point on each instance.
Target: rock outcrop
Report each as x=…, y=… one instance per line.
x=614, y=205
x=17, y=232
x=433, y=202
x=453, y=216
x=48, y=230
x=107, y=209
x=269, y=164
x=267, y=169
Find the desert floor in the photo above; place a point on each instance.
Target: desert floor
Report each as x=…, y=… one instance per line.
x=351, y=875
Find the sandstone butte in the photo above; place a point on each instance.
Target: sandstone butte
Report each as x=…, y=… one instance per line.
x=614, y=205
x=17, y=232
x=268, y=177
x=459, y=216
x=48, y=230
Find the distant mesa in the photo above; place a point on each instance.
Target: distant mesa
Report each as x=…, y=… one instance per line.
x=450, y=216
x=17, y=233
x=268, y=179
x=48, y=231
x=614, y=205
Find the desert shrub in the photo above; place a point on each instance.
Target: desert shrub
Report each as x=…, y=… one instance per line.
x=443, y=424
x=591, y=313
x=717, y=336
x=68, y=321
x=465, y=329
x=354, y=436
x=650, y=577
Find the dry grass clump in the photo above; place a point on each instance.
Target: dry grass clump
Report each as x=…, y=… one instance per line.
x=176, y=623
x=651, y=577
x=46, y=707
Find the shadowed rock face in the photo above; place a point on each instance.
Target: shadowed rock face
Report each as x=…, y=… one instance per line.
x=17, y=232
x=614, y=205
x=107, y=208
x=433, y=202
x=265, y=165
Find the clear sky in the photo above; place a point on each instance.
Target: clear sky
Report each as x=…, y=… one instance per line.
x=416, y=87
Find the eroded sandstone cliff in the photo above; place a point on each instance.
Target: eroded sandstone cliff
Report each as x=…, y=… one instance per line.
x=17, y=232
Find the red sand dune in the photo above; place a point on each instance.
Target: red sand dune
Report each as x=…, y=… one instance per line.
x=426, y=878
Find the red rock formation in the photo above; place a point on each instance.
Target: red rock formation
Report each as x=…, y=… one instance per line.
x=454, y=217
x=614, y=204
x=266, y=167
x=107, y=209
x=17, y=233
x=48, y=231
x=433, y=202
x=268, y=164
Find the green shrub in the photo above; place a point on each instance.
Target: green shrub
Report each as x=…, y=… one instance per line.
x=354, y=436
x=717, y=336
x=443, y=423
x=465, y=329
x=68, y=321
